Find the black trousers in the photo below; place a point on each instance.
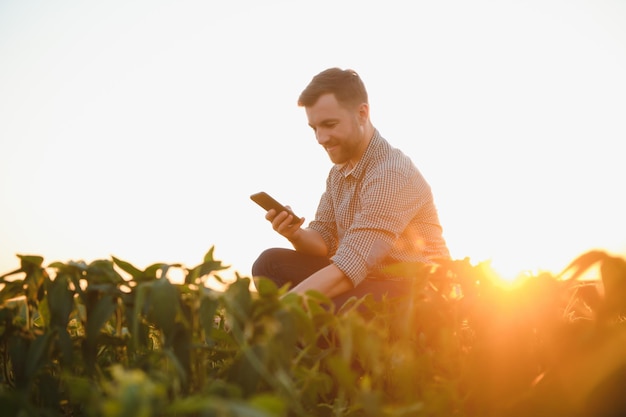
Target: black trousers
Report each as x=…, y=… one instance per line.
x=284, y=266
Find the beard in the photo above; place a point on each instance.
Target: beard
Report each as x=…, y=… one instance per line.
x=341, y=150
x=337, y=154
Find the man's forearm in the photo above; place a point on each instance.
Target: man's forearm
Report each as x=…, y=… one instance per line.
x=330, y=281
x=309, y=241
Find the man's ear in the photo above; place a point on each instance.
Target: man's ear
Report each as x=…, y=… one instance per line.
x=364, y=112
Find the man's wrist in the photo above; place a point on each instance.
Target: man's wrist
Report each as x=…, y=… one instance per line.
x=295, y=237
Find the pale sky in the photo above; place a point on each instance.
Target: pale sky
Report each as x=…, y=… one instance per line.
x=139, y=129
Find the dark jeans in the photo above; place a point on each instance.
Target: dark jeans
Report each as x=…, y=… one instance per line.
x=284, y=266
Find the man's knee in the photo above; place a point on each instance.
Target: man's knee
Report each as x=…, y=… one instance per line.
x=262, y=267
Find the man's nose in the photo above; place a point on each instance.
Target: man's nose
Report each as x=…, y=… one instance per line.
x=321, y=137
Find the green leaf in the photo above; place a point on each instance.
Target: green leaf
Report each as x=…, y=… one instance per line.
x=141, y=298
x=208, y=257
x=11, y=404
x=286, y=337
x=102, y=272
x=194, y=405
x=248, y=368
x=614, y=279
x=127, y=267
x=260, y=406
x=270, y=403
x=82, y=390
x=303, y=323
x=315, y=302
x=178, y=354
x=35, y=276
x=238, y=299
x=266, y=287
x=18, y=348
x=11, y=290
x=37, y=355
x=579, y=265
x=48, y=391
x=60, y=300
x=151, y=272
x=342, y=372
x=8, y=274
x=99, y=315
x=30, y=262
x=66, y=346
x=164, y=305
x=207, y=310
x=208, y=266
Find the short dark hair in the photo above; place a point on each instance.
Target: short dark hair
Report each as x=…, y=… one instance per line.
x=346, y=85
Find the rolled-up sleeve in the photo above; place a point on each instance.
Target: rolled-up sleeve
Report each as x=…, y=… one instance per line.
x=388, y=200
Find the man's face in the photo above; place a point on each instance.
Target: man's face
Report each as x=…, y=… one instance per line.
x=338, y=129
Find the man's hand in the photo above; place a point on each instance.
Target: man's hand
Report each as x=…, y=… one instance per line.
x=281, y=222
x=303, y=240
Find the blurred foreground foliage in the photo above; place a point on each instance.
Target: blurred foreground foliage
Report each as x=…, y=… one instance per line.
x=108, y=339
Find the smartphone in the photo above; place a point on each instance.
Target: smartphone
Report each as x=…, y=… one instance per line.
x=264, y=200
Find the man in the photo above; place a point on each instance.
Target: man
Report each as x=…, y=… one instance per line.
x=377, y=209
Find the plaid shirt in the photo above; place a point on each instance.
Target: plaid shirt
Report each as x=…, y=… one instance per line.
x=379, y=213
